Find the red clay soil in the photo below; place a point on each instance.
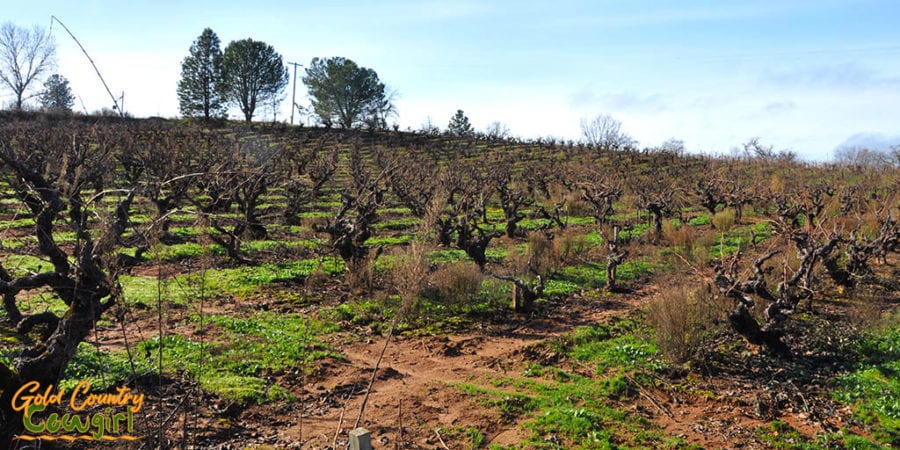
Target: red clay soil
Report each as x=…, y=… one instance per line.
x=413, y=387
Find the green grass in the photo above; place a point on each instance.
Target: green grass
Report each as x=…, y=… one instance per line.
x=362, y=312
x=21, y=265
x=565, y=409
x=572, y=278
x=635, y=231
x=533, y=224
x=472, y=438
x=701, y=219
x=737, y=239
x=873, y=387
x=235, y=366
x=455, y=255
x=102, y=369
x=16, y=243
x=397, y=210
x=400, y=224
x=245, y=280
x=315, y=214
x=511, y=405
x=187, y=250
x=390, y=240
x=238, y=282
x=60, y=237
x=269, y=341
x=184, y=232
x=22, y=222
x=554, y=287
x=780, y=435
x=593, y=239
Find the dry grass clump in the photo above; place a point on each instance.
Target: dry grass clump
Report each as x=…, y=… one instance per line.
x=547, y=253
x=361, y=275
x=317, y=279
x=455, y=284
x=578, y=206
x=570, y=245
x=724, y=220
x=409, y=276
x=541, y=255
x=683, y=317
x=681, y=235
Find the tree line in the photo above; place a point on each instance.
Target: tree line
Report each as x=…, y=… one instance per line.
x=250, y=73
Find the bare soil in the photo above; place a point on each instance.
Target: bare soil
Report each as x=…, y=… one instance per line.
x=413, y=396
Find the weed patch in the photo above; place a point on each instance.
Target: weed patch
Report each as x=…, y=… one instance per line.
x=873, y=388
x=235, y=368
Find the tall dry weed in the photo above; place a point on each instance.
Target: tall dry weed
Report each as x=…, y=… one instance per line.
x=683, y=318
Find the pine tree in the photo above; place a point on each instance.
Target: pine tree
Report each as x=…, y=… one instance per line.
x=254, y=74
x=344, y=93
x=201, y=92
x=56, y=95
x=459, y=124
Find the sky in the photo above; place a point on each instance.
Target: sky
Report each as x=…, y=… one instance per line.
x=801, y=75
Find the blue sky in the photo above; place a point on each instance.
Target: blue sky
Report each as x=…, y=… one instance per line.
x=801, y=75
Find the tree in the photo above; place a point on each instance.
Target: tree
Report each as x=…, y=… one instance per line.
x=496, y=130
x=56, y=95
x=459, y=124
x=253, y=74
x=201, y=91
x=25, y=55
x=345, y=93
x=605, y=132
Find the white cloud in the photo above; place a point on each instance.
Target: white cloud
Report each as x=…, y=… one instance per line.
x=847, y=75
x=587, y=99
x=871, y=140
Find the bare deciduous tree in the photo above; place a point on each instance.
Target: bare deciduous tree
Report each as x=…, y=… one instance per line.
x=496, y=131
x=605, y=132
x=25, y=55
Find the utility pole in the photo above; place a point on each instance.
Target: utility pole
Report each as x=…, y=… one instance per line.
x=294, y=93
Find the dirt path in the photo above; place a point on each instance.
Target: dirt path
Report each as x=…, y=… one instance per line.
x=415, y=375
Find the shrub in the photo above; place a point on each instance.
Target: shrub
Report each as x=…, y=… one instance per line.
x=681, y=235
x=541, y=255
x=409, y=275
x=570, y=245
x=724, y=220
x=361, y=274
x=577, y=206
x=683, y=317
x=457, y=284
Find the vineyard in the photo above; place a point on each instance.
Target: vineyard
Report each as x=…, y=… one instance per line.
x=271, y=286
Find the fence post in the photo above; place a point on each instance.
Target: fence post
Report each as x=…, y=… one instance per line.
x=360, y=439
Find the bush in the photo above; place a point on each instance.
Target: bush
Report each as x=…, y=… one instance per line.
x=681, y=235
x=570, y=245
x=683, y=317
x=409, y=275
x=457, y=284
x=724, y=220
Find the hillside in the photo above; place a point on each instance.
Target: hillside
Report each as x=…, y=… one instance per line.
x=513, y=294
